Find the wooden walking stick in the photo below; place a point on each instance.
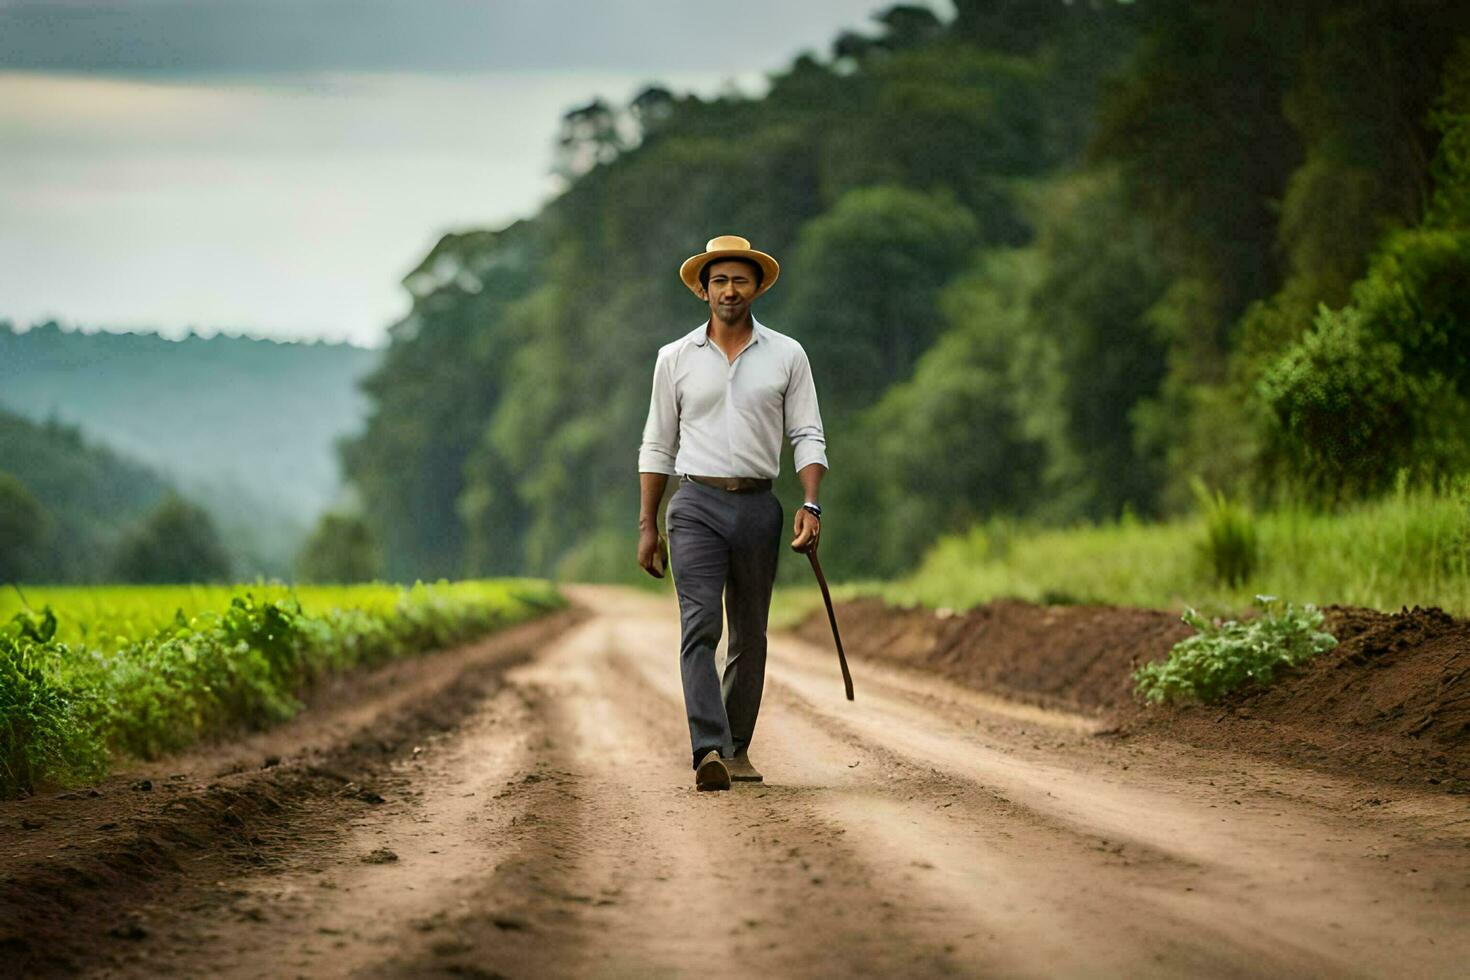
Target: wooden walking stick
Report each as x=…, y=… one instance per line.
x=811, y=552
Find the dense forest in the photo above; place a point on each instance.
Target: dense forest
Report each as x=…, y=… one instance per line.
x=1051, y=261
x=245, y=427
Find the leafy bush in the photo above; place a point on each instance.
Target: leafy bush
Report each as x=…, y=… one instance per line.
x=1343, y=412
x=42, y=724
x=1222, y=657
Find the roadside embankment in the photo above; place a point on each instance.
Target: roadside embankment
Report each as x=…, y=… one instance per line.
x=1391, y=701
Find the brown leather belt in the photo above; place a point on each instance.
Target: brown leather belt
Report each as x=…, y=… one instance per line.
x=734, y=484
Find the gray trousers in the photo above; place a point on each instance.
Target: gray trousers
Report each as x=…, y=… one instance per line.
x=722, y=542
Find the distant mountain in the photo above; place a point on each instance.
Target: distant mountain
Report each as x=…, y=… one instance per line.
x=247, y=427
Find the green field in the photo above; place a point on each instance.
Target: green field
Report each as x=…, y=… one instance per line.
x=1410, y=548
x=91, y=674
x=113, y=615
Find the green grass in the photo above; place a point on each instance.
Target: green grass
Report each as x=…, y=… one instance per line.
x=1410, y=548
x=91, y=674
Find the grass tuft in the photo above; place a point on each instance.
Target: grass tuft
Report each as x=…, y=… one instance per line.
x=1231, y=549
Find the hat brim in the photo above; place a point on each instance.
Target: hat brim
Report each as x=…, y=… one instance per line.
x=770, y=268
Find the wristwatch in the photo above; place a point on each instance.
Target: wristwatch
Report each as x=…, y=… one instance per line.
x=814, y=508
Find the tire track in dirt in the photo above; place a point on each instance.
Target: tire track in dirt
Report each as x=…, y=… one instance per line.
x=726, y=884
x=383, y=887
x=1018, y=846
x=982, y=883
x=1263, y=885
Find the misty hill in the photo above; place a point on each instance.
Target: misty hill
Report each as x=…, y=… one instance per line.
x=86, y=496
x=245, y=426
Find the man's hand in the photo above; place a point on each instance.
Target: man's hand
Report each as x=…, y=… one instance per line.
x=653, y=552
x=807, y=527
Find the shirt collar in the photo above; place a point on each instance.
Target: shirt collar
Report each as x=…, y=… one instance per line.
x=700, y=334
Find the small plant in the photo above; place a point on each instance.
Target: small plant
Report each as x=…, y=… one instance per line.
x=1231, y=549
x=1222, y=657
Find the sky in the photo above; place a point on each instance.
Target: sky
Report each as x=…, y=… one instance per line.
x=275, y=167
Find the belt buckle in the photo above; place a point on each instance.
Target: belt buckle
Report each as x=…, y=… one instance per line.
x=733, y=485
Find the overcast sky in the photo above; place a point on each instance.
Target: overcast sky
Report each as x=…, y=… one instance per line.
x=275, y=167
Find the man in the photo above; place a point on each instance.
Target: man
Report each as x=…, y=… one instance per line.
x=723, y=396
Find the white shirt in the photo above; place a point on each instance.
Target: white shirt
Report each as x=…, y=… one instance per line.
x=710, y=416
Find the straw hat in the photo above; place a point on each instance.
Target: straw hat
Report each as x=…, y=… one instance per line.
x=729, y=247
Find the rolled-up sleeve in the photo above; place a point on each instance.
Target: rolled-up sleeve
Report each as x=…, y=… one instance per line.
x=661, y=432
x=803, y=420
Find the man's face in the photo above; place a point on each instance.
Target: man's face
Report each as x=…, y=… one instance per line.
x=731, y=288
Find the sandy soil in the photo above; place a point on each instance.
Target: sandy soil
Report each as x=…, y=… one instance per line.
x=524, y=807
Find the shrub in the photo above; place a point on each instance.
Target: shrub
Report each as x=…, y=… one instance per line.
x=1342, y=411
x=1222, y=657
x=43, y=727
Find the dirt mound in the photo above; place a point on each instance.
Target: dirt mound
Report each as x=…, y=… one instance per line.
x=1072, y=657
x=1392, y=701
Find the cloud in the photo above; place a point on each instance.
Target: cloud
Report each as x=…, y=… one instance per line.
x=292, y=36
x=289, y=210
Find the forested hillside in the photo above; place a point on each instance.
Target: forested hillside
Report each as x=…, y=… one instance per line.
x=245, y=426
x=1051, y=261
x=65, y=505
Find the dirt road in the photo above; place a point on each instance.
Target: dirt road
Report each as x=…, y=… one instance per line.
x=553, y=829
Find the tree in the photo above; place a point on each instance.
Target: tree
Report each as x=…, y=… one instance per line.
x=177, y=543
x=851, y=46
x=590, y=135
x=652, y=108
x=434, y=392
x=1095, y=301
x=24, y=525
x=342, y=549
x=865, y=281
x=1381, y=386
x=964, y=439
x=909, y=25
x=1196, y=127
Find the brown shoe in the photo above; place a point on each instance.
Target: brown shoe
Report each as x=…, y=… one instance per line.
x=742, y=771
x=711, y=773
